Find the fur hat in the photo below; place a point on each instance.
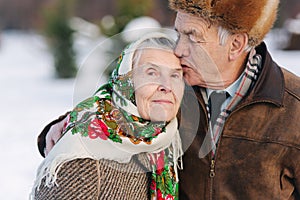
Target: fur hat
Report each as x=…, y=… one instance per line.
x=254, y=17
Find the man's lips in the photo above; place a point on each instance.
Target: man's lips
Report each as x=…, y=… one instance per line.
x=185, y=69
x=184, y=66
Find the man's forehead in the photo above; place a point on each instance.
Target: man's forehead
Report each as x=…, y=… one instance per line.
x=180, y=17
x=183, y=18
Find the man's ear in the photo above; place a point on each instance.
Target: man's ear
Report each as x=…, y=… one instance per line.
x=238, y=44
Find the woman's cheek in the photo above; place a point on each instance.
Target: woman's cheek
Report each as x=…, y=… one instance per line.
x=143, y=107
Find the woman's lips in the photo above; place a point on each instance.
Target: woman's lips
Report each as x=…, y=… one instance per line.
x=163, y=101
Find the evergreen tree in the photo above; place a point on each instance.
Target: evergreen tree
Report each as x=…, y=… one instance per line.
x=60, y=37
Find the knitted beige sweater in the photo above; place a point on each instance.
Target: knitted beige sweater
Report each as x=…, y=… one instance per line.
x=88, y=179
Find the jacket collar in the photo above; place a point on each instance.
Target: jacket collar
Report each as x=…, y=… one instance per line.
x=270, y=84
x=269, y=87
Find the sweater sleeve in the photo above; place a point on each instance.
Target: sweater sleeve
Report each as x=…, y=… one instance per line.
x=41, y=140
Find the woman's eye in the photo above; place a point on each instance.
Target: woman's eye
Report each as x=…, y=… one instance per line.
x=151, y=72
x=176, y=75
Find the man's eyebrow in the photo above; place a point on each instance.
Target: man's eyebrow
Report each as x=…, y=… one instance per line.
x=184, y=31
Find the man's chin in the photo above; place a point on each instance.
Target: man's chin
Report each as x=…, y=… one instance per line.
x=192, y=81
x=200, y=84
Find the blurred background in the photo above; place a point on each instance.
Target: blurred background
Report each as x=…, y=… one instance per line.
x=55, y=52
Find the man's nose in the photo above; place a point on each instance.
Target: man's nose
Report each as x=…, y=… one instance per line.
x=181, y=49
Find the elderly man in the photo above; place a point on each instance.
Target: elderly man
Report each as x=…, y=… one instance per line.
x=247, y=144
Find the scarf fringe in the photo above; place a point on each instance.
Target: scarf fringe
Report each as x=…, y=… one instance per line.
x=177, y=154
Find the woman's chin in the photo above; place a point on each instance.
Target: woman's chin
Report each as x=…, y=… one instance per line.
x=162, y=113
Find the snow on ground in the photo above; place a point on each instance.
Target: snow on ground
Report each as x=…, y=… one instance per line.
x=31, y=97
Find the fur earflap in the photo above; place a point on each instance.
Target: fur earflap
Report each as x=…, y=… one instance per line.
x=254, y=17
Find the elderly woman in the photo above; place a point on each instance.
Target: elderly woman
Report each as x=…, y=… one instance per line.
x=123, y=142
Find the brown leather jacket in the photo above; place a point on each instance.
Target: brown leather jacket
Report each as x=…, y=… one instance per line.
x=258, y=155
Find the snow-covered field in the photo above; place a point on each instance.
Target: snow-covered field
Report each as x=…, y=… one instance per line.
x=31, y=97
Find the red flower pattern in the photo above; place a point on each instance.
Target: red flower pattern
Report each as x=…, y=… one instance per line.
x=169, y=197
x=98, y=129
x=157, y=131
x=159, y=195
x=153, y=185
x=160, y=162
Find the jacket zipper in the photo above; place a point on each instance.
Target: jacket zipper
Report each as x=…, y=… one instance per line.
x=212, y=168
x=211, y=175
x=212, y=172
x=212, y=159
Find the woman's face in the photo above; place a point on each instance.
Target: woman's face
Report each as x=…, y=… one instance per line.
x=158, y=83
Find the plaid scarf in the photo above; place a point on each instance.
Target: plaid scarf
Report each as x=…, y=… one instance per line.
x=249, y=78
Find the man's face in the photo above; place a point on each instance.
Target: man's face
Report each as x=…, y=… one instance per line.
x=202, y=57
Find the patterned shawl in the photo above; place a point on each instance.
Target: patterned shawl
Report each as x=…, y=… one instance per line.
x=108, y=126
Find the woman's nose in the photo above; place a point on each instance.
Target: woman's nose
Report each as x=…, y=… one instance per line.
x=165, y=85
x=164, y=88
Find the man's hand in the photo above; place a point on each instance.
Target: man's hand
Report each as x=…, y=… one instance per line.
x=54, y=134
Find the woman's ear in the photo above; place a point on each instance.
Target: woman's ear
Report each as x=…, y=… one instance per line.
x=238, y=44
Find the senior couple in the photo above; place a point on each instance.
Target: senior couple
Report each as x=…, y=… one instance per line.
x=124, y=143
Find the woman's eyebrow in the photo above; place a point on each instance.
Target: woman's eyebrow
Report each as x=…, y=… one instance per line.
x=177, y=69
x=150, y=64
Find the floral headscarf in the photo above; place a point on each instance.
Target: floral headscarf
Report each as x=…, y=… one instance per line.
x=108, y=126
